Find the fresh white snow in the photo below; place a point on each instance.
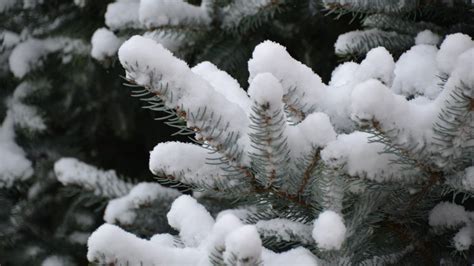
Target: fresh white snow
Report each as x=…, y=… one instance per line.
x=104, y=44
x=452, y=46
x=122, y=210
x=427, y=37
x=329, y=230
x=71, y=171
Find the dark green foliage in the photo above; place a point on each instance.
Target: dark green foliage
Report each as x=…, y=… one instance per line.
x=398, y=22
x=300, y=26
x=88, y=115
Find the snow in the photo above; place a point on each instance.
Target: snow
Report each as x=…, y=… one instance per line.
x=359, y=158
x=371, y=100
x=329, y=230
x=452, y=46
x=298, y=257
x=305, y=88
x=151, y=56
x=166, y=240
x=285, y=230
x=122, y=210
x=416, y=72
x=14, y=166
x=427, y=37
x=266, y=89
x=378, y=64
x=192, y=167
x=148, y=54
x=29, y=55
x=344, y=74
x=448, y=215
x=224, y=225
x=270, y=57
x=104, y=44
x=71, y=171
x=336, y=102
x=183, y=216
x=8, y=39
x=26, y=116
x=463, y=73
x=156, y=13
x=302, y=88
x=122, y=14
x=223, y=83
x=420, y=100
x=109, y=244
x=25, y=55
x=315, y=130
x=412, y=120
x=244, y=243
x=56, y=260
x=463, y=239
x=28, y=88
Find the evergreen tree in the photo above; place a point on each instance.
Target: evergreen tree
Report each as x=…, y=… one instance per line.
x=355, y=171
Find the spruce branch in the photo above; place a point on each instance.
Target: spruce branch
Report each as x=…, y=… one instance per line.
x=454, y=129
x=359, y=42
x=107, y=184
x=196, y=115
x=271, y=156
x=309, y=171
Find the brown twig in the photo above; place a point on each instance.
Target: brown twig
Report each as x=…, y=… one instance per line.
x=309, y=170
